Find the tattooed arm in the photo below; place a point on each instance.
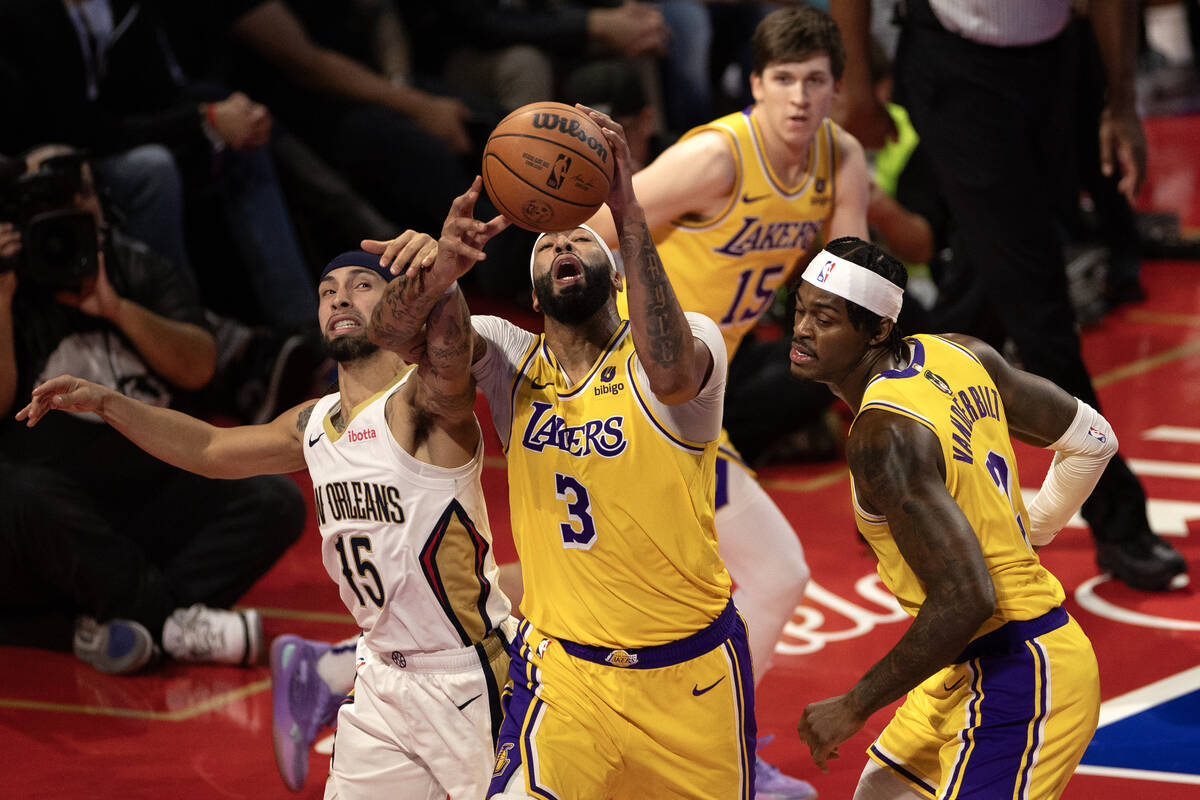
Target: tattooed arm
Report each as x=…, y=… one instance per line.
x=899, y=473
x=427, y=272
x=676, y=362
x=179, y=439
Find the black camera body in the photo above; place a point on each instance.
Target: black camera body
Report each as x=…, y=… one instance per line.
x=59, y=242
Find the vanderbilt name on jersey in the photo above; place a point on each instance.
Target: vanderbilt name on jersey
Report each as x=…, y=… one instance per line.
x=947, y=390
x=408, y=543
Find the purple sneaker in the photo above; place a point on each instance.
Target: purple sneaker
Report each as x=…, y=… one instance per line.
x=302, y=704
x=771, y=784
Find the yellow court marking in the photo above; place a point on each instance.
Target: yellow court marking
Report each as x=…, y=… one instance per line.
x=1143, y=365
x=808, y=484
x=307, y=616
x=1163, y=318
x=178, y=715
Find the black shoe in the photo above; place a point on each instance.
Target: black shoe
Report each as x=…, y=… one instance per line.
x=1144, y=562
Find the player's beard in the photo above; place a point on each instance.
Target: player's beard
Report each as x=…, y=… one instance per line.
x=345, y=349
x=578, y=302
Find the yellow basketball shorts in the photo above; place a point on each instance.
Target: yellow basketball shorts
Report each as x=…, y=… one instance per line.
x=1009, y=721
x=672, y=721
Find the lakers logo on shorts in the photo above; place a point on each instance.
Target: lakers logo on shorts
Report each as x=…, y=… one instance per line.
x=620, y=658
x=502, y=759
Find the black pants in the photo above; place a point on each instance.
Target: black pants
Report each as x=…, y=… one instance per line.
x=997, y=125
x=139, y=551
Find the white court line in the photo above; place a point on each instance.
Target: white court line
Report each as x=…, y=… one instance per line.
x=1137, y=774
x=1150, y=695
x=1087, y=598
x=1164, y=469
x=1172, y=433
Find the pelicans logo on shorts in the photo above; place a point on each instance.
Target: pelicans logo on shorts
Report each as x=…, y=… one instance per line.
x=502, y=759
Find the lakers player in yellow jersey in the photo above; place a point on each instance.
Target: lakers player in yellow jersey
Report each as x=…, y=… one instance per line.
x=1002, y=686
x=631, y=672
x=733, y=206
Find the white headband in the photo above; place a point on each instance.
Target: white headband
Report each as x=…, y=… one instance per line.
x=617, y=265
x=857, y=284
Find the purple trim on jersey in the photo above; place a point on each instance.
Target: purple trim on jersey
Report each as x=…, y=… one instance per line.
x=737, y=650
x=914, y=368
x=722, y=496
x=966, y=735
x=961, y=349
x=612, y=345
x=1010, y=637
x=675, y=440
x=664, y=655
x=516, y=384
x=899, y=768
x=1007, y=731
x=433, y=577
x=515, y=740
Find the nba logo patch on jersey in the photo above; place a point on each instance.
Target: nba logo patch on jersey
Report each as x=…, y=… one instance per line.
x=620, y=658
x=823, y=275
x=1098, y=435
x=541, y=648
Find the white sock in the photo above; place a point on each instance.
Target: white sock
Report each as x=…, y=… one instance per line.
x=336, y=667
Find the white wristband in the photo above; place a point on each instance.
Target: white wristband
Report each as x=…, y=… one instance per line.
x=1083, y=452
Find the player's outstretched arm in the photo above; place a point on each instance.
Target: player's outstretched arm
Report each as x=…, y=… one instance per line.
x=427, y=270
x=899, y=473
x=176, y=438
x=676, y=362
x=1044, y=415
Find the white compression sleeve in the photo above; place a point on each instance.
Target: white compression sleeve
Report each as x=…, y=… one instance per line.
x=1082, y=453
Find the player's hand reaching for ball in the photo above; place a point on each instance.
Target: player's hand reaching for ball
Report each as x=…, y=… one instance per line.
x=463, y=237
x=620, y=189
x=409, y=249
x=64, y=393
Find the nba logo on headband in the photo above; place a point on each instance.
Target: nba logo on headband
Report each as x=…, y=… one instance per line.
x=823, y=275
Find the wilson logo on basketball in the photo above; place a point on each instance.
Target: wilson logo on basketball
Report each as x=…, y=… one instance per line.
x=548, y=121
x=360, y=436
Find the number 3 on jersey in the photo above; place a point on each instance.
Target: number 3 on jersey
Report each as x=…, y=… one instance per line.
x=580, y=532
x=359, y=544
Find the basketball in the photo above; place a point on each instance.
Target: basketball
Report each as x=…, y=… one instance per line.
x=547, y=167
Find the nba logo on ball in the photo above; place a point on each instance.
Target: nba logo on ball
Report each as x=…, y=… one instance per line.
x=547, y=167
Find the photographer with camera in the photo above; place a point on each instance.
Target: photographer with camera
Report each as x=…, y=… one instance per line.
x=101, y=547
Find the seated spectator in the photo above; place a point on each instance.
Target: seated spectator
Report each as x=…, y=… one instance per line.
x=113, y=86
x=104, y=547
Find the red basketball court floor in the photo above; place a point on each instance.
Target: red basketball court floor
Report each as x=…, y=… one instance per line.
x=67, y=731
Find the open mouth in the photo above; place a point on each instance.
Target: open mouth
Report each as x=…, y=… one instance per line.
x=339, y=325
x=800, y=354
x=567, y=268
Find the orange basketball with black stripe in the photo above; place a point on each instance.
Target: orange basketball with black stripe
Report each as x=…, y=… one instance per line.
x=547, y=167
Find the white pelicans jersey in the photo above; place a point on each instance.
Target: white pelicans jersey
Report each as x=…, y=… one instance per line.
x=407, y=543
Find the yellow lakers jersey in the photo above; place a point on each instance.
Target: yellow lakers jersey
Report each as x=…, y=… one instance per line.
x=947, y=390
x=729, y=267
x=612, y=513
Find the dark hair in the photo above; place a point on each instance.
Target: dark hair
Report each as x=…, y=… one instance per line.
x=794, y=33
x=870, y=257
x=613, y=86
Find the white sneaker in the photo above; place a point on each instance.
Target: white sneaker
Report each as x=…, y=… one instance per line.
x=202, y=634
